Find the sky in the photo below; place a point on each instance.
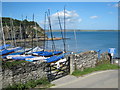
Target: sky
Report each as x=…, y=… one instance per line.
x=79, y=15
x=60, y=0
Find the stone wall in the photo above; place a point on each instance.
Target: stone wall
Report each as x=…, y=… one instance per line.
x=22, y=73
x=105, y=56
x=86, y=59
x=83, y=60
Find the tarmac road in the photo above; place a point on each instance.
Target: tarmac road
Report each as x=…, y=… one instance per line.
x=101, y=79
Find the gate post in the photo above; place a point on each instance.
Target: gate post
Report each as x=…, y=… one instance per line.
x=71, y=64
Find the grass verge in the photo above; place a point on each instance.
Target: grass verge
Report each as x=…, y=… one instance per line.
x=97, y=68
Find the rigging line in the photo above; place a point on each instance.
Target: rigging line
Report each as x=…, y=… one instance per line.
x=47, y=29
x=61, y=29
x=12, y=32
x=3, y=35
x=36, y=33
x=32, y=34
x=25, y=27
x=8, y=33
x=24, y=32
x=44, y=30
x=64, y=31
x=53, y=44
x=21, y=33
x=7, y=30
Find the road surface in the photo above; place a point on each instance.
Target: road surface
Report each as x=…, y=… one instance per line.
x=101, y=79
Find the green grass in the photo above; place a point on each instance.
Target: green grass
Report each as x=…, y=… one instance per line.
x=97, y=68
x=43, y=83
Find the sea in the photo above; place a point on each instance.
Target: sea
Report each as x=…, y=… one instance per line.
x=81, y=41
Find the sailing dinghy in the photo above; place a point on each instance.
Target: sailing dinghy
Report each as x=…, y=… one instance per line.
x=16, y=53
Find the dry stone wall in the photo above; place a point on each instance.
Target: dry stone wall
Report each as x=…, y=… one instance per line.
x=86, y=60
x=22, y=73
x=83, y=60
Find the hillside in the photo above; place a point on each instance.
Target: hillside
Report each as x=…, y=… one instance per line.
x=13, y=27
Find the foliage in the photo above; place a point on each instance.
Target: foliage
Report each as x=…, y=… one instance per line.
x=29, y=84
x=97, y=68
x=7, y=21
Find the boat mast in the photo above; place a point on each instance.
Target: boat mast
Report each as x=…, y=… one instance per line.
x=61, y=29
x=44, y=30
x=64, y=31
x=32, y=35
x=7, y=30
x=3, y=35
x=11, y=31
x=21, y=33
x=24, y=28
x=36, y=34
x=53, y=44
x=14, y=33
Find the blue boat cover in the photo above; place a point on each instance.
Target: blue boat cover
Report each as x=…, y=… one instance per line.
x=9, y=51
x=54, y=58
x=22, y=58
x=16, y=53
x=57, y=52
x=3, y=46
x=50, y=53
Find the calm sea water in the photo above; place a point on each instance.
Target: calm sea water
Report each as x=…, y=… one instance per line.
x=85, y=41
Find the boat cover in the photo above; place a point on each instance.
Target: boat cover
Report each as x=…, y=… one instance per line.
x=50, y=53
x=35, y=58
x=22, y=57
x=54, y=58
x=9, y=51
x=3, y=46
x=11, y=56
x=16, y=53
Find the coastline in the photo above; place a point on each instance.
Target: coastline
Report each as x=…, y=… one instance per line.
x=86, y=30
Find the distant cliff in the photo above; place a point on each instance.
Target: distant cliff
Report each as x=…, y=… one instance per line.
x=14, y=28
